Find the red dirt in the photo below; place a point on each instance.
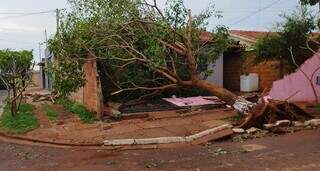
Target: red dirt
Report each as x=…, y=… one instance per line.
x=68, y=128
x=298, y=151
x=42, y=118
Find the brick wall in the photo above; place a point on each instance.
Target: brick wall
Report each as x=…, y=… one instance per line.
x=268, y=71
x=236, y=64
x=232, y=70
x=36, y=78
x=90, y=95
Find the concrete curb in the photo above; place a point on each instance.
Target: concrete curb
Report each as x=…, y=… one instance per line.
x=166, y=140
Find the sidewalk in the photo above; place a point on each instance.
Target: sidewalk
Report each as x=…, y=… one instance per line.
x=3, y=96
x=69, y=128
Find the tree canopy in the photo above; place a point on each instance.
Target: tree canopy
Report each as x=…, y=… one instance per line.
x=309, y=2
x=11, y=60
x=292, y=34
x=15, y=72
x=139, y=47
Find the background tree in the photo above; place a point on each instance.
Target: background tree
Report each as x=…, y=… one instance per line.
x=15, y=72
x=293, y=33
x=309, y=2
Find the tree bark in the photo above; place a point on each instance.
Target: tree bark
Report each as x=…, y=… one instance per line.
x=14, y=102
x=222, y=93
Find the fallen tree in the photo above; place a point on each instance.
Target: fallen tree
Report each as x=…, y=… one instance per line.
x=139, y=34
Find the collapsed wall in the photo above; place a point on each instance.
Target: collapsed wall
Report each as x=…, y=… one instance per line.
x=297, y=87
x=91, y=94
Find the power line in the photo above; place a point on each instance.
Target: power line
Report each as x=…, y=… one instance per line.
x=256, y=12
x=27, y=14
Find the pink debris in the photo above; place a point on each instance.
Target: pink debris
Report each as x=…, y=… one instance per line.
x=296, y=87
x=194, y=101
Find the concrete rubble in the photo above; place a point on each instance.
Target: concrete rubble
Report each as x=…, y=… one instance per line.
x=238, y=130
x=269, y=126
x=253, y=130
x=283, y=123
x=313, y=122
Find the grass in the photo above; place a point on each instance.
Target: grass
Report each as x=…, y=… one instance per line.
x=84, y=114
x=24, y=122
x=51, y=114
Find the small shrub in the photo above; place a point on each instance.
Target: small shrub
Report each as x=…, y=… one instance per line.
x=24, y=122
x=65, y=102
x=52, y=115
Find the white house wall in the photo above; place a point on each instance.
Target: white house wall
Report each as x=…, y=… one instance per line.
x=217, y=76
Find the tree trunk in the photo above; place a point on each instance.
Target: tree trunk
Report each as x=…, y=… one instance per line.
x=240, y=104
x=14, y=102
x=223, y=94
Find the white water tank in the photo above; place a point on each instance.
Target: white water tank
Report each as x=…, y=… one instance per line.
x=249, y=83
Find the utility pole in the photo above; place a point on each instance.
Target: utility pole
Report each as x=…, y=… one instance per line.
x=46, y=36
x=40, y=52
x=58, y=19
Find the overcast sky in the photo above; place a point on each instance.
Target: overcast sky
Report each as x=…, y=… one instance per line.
x=18, y=31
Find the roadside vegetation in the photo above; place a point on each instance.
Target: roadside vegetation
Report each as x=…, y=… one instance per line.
x=84, y=114
x=22, y=123
x=51, y=114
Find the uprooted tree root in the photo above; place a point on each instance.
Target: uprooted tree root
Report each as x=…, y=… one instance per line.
x=269, y=113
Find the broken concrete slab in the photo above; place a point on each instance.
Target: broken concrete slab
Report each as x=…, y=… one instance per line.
x=168, y=140
x=209, y=131
x=283, y=123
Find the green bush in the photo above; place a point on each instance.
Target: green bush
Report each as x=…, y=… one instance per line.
x=52, y=115
x=84, y=114
x=65, y=102
x=24, y=122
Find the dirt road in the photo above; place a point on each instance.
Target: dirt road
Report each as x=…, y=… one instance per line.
x=298, y=151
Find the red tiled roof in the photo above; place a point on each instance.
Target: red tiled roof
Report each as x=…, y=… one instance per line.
x=206, y=36
x=209, y=38
x=252, y=35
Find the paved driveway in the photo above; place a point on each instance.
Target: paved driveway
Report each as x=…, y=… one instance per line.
x=3, y=95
